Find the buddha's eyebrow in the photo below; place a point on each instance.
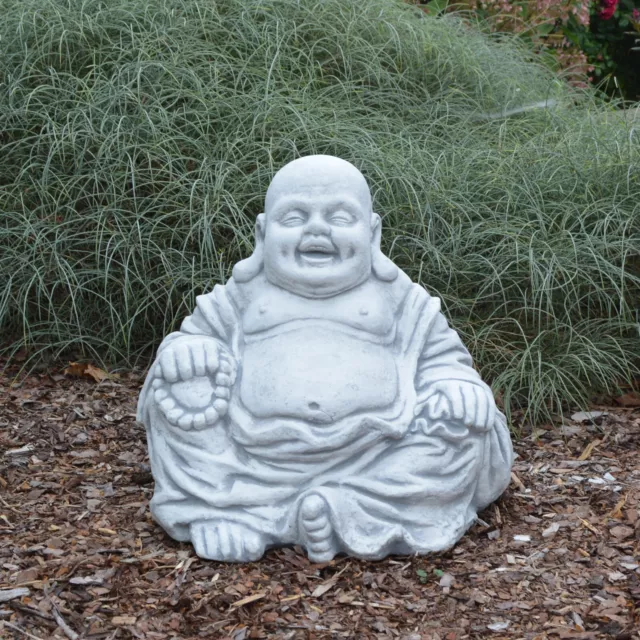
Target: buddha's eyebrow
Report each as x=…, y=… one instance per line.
x=287, y=204
x=350, y=204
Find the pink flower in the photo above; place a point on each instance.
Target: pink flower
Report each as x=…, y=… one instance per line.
x=608, y=8
x=635, y=15
x=582, y=12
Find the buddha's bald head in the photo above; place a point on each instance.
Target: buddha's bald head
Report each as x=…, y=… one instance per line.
x=316, y=176
x=318, y=235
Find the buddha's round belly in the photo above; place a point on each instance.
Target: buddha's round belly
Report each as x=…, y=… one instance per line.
x=316, y=374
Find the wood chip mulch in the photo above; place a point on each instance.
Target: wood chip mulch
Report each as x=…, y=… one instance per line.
x=81, y=558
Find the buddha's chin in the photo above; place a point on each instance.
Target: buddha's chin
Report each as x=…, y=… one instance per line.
x=318, y=280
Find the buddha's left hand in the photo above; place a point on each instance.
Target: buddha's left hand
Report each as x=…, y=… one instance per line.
x=471, y=404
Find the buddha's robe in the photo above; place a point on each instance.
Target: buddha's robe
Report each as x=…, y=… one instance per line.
x=329, y=399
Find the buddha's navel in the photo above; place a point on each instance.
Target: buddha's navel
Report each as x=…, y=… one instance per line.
x=316, y=373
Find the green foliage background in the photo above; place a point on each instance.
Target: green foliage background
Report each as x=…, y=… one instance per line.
x=613, y=46
x=138, y=139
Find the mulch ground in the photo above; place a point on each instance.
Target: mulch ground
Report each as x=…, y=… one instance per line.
x=80, y=556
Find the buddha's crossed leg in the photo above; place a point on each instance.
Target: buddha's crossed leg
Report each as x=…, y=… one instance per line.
x=231, y=541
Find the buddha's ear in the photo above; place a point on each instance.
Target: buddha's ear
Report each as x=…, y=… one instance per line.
x=382, y=267
x=248, y=269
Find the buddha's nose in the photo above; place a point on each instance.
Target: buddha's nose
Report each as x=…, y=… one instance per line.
x=317, y=225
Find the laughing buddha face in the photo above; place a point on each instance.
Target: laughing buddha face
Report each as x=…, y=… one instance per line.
x=318, y=236
x=318, y=227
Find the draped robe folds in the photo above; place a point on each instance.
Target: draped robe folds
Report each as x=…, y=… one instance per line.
x=394, y=480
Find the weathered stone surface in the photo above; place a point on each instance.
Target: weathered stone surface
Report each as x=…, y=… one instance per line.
x=319, y=397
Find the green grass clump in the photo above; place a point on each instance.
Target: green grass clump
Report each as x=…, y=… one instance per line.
x=138, y=139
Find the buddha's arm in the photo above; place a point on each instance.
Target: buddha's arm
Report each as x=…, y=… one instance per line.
x=214, y=317
x=444, y=357
x=454, y=404
x=447, y=385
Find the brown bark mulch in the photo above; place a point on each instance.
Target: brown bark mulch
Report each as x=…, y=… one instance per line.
x=80, y=557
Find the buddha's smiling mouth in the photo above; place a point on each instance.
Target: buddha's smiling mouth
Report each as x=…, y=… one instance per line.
x=316, y=253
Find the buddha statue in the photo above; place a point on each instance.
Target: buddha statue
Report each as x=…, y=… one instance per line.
x=319, y=397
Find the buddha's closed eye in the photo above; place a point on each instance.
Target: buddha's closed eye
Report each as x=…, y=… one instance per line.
x=341, y=218
x=293, y=218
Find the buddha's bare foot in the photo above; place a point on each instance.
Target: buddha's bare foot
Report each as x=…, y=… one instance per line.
x=226, y=541
x=314, y=515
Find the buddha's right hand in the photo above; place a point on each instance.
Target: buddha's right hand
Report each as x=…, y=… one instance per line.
x=192, y=382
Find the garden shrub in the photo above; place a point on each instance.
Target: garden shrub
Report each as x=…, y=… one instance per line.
x=597, y=40
x=612, y=44
x=550, y=26
x=138, y=139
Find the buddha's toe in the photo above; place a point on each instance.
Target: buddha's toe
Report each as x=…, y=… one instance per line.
x=320, y=540
x=226, y=542
x=204, y=536
x=253, y=544
x=312, y=508
x=321, y=534
x=321, y=553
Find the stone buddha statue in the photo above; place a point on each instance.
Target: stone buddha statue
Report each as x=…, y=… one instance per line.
x=320, y=397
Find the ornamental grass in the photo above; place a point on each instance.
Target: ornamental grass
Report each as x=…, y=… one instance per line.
x=137, y=140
